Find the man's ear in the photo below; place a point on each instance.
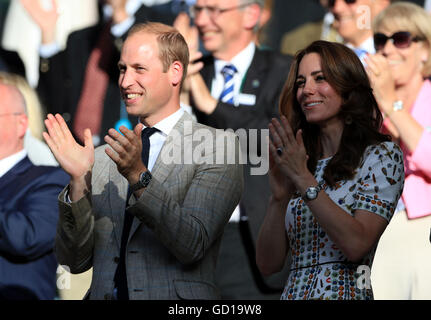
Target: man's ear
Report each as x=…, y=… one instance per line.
x=22, y=125
x=252, y=16
x=176, y=71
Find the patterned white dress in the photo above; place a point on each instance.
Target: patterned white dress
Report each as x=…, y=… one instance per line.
x=319, y=270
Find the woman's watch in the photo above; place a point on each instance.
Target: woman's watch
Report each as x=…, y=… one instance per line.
x=144, y=180
x=311, y=193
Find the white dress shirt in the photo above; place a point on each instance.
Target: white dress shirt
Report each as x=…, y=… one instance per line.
x=158, y=138
x=367, y=46
x=9, y=162
x=241, y=62
x=38, y=152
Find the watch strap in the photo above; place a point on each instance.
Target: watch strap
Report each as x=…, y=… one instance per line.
x=144, y=179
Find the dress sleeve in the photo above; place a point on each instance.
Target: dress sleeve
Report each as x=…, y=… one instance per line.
x=380, y=179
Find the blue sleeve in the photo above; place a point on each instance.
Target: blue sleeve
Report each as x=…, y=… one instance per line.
x=27, y=229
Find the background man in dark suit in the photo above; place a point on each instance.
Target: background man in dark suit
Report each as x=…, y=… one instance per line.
x=149, y=227
x=28, y=209
x=11, y=62
x=227, y=30
x=80, y=82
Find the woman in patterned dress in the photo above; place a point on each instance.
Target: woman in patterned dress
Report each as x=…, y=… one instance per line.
x=335, y=179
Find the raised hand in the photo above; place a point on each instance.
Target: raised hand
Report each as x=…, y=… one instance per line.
x=382, y=82
x=119, y=13
x=75, y=159
x=383, y=85
x=126, y=151
x=45, y=18
x=190, y=33
x=289, y=162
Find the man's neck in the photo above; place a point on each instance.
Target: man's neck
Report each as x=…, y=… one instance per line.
x=152, y=120
x=360, y=39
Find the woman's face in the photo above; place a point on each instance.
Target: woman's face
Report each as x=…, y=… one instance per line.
x=318, y=100
x=405, y=63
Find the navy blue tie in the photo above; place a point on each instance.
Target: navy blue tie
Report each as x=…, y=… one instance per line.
x=120, y=277
x=228, y=72
x=146, y=134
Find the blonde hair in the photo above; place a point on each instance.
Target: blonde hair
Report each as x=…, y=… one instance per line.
x=405, y=16
x=33, y=108
x=172, y=46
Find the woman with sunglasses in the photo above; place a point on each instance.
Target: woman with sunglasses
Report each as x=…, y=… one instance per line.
x=335, y=178
x=398, y=73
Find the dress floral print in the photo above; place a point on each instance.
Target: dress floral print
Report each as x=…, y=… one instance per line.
x=319, y=270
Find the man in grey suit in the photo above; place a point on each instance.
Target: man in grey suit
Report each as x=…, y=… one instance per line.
x=149, y=231
x=237, y=87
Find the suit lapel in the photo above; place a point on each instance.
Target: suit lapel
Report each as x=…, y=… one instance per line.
x=117, y=186
x=255, y=74
x=252, y=82
x=10, y=176
x=161, y=170
x=208, y=71
x=176, y=139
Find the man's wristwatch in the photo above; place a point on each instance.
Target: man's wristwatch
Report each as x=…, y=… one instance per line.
x=311, y=193
x=144, y=180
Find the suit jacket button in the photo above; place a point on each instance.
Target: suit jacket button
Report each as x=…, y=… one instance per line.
x=107, y=296
x=116, y=259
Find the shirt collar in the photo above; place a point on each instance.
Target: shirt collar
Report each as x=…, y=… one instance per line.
x=367, y=45
x=241, y=61
x=9, y=162
x=166, y=125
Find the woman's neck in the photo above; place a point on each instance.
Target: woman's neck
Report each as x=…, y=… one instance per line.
x=330, y=137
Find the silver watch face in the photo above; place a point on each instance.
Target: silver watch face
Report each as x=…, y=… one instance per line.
x=311, y=193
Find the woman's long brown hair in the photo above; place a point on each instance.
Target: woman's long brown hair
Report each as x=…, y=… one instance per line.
x=359, y=111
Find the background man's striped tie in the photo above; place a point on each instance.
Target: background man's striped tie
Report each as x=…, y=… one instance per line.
x=227, y=95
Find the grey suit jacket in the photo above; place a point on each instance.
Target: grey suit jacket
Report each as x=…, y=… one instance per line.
x=174, y=242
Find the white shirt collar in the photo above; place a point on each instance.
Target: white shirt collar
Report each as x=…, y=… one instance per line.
x=367, y=45
x=167, y=124
x=241, y=61
x=9, y=162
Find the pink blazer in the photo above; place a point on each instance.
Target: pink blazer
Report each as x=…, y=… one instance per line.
x=417, y=186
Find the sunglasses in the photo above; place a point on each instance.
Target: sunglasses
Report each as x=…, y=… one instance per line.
x=331, y=3
x=401, y=39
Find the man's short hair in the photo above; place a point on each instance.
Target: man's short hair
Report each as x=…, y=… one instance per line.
x=8, y=81
x=172, y=45
x=259, y=2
